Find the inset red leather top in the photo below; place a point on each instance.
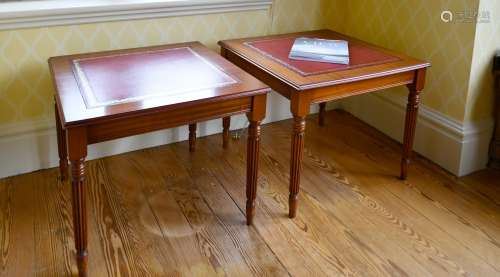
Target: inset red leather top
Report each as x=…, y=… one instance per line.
x=121, y=78
x=278, y=49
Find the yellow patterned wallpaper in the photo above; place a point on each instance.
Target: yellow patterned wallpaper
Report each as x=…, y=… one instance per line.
x=25, y=86
x=300, y=15
x=415, y=28
x=410, y=26
x=487, y=41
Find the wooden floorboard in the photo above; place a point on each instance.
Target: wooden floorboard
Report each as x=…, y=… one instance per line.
x=462, y=215
x=167, y=212
x=18, y=225
x=53, y=229
x=441, y=222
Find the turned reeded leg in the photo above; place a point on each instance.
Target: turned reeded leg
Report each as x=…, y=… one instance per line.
x=192, y=137
x=411, y=120
x=79, y=214
x=77, y=151
x=226, y=122
x=254, y=117
x=409, y=135
x=61, y=147
x=299, y=126
x=252, y=168
x=321, y=116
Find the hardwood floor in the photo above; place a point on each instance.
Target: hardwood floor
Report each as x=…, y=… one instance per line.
x=168, y=212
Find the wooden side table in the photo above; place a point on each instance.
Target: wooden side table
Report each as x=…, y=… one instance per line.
x=304, y=83
x=110, y=95
x=495, y=142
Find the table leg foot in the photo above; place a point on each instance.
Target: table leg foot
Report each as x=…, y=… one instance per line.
x=405, y=163
x=226, y=123
x=192, y=137
x=299, y=127
x=321, y=115
x=81, y=259
x=252, y=168
x=292, y=204
x=250, y=211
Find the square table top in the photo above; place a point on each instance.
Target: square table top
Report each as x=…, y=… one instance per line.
x=270, y=54
x=106, y=85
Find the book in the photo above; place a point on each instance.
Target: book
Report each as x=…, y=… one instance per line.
x=321, y=58
x=320, y=50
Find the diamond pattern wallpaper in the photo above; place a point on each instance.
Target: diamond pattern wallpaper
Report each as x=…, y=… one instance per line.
x=415, y=27
x=304, y=14
x=410, y=26
x=26, y=91
x=25, y=88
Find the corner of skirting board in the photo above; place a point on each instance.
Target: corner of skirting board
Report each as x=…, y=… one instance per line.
x=475, y=151
x=459, y=148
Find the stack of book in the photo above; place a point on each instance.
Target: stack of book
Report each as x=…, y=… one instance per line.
x=320, y=50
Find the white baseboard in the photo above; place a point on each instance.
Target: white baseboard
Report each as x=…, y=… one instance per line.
x=460, y=148
x=32, y=146
x=38, y=149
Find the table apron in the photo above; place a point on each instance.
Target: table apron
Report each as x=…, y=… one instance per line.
x=326, y=93
x=340, y=91
x=135, y=125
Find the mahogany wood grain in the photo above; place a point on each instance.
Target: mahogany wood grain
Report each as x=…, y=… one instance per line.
x=495, y=141
x=96, y=101
x=226, y=124
x=411, y=120
x=114, y=129
x=77, y=151
x=61, y=147
x=341, y=91
x=226, y=121
x=299, y=82
x=299, y=126
x=255, y=117
x=192, y=137
x=252, y=164
x=70, y=95
x=305, y=89
x=321, y=114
